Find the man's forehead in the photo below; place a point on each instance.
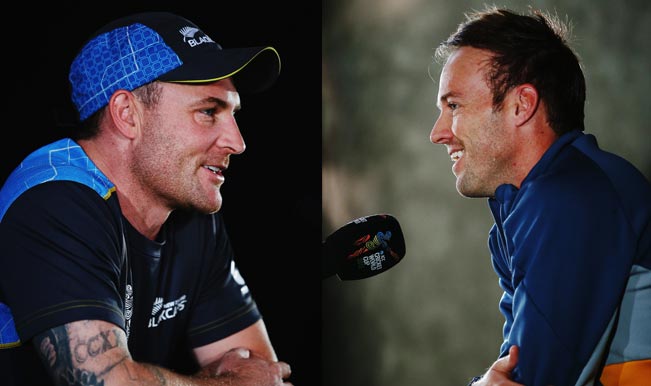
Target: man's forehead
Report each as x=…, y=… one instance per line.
x=468, y=59
x=466, y=63
x=222, y=90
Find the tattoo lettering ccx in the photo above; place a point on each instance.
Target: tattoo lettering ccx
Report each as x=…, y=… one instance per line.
x=94, y=346
x=69, y=355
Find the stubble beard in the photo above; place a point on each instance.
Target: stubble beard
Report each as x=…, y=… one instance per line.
x=481, y=177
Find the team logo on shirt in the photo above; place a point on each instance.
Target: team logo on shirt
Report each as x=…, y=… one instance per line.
x=162, y=310
x=239, y=279
x=158, y=304
x=128, y=308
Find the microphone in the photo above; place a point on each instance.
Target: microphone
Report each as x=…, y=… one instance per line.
x=362, y=248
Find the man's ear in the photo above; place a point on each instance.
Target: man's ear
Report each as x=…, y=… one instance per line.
x=526, y=101
x=123, y=108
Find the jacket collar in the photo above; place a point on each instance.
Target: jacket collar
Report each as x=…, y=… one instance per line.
x=506, y=193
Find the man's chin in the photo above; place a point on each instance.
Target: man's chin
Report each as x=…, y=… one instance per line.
x=209, y=206
x=468, y=191
x=215, y=208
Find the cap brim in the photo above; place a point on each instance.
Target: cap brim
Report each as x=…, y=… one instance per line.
x=253, y=69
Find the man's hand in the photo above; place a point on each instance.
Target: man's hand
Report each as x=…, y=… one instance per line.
x=499, y=374
x=245, y=368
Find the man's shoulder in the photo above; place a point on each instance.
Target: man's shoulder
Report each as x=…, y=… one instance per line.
x=584, y=170
x=62, y=160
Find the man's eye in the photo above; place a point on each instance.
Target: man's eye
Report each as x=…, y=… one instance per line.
x=209, y=112
x=452, y=106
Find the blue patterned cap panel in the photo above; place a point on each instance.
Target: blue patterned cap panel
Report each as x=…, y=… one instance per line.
x=124, y=58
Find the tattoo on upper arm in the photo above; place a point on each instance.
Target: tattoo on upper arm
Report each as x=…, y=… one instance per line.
x=73, y=353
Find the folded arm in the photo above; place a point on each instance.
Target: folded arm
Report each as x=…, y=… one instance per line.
x=94, y=352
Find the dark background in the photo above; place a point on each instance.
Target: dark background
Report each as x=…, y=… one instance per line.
x=272, y=196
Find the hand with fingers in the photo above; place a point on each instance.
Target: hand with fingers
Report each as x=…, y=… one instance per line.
x=244, y=368
x=499, y=374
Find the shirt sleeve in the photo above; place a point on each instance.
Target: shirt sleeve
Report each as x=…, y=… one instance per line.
x=571, y=249
x=225, y=304
x=60, y=258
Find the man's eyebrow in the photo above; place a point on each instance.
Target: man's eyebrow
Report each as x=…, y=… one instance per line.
x=219, y=102
x=445, y=96
x=448, y=95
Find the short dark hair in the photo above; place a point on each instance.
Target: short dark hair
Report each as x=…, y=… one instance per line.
x=532, y=49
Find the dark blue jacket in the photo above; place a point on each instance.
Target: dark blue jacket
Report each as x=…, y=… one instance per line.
x=572, y=250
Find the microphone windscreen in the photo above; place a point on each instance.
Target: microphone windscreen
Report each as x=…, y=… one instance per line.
x=364, y=247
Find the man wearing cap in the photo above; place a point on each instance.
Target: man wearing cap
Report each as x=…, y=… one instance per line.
x=136, y=282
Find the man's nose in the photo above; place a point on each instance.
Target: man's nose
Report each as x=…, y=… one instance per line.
x=441, y=131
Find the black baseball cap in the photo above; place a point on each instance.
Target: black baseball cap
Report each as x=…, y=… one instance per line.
x=140, y=48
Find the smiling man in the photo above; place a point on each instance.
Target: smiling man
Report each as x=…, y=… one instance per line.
x=136, y=281
x=571, y=243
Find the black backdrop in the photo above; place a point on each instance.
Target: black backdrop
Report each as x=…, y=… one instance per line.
x=272, y=196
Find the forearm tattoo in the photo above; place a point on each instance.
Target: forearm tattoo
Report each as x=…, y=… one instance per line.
x=75, y=357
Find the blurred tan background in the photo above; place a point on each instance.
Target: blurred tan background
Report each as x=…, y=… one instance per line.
x=433, y=319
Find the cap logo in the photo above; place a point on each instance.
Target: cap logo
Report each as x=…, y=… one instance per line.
x=188, y=36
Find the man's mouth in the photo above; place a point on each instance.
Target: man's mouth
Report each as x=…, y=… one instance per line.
x=456, y=155
x=214, y=169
